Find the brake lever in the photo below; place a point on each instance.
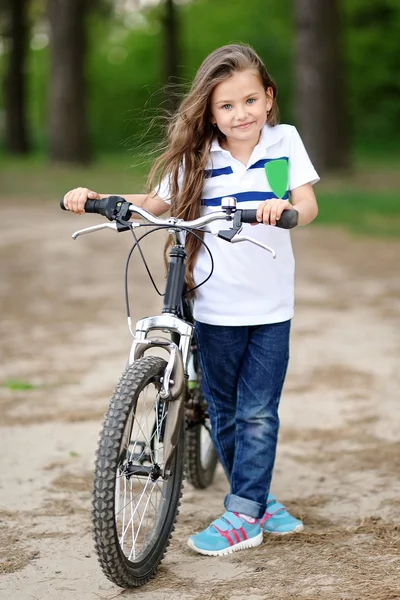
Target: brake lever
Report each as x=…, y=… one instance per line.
x=230, y=235
x=246, y=238
x=94, y=228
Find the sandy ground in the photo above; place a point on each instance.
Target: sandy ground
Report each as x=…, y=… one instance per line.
x=63, y=330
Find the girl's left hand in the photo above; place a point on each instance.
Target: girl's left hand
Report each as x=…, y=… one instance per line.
x=269, y=212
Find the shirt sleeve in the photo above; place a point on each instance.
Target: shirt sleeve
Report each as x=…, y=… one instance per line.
x=301, y=169
x=163, y=190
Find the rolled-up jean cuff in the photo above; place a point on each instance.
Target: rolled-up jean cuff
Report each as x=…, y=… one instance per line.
x=242, y=505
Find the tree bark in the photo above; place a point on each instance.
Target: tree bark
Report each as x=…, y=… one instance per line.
x=320, y=96
x=67, y=136
x=171, y=53
x=16, y=131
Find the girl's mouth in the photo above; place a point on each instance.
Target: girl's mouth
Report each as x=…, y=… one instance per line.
x=244, y=125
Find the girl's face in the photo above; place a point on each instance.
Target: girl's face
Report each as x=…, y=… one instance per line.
x=239, y=106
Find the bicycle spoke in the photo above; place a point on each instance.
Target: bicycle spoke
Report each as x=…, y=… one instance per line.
x=145, y=513
x=137, y=502
x=124, y=529
x=142, y=403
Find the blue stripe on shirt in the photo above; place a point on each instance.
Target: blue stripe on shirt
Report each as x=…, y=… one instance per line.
x=208, y=173
x=244, y=197
x=261, y=163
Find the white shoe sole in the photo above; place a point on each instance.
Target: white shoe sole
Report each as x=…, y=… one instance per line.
x=251, y=543
x=295, y=530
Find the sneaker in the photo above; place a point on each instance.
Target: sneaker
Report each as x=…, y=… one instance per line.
x=226, y=535
x=277, y=520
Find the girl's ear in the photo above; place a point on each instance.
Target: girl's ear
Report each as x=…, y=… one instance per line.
x=270, y=97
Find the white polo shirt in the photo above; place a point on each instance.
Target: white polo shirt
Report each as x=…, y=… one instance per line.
x=248, y=286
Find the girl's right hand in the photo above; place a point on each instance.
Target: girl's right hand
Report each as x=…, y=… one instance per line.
x=75, y=200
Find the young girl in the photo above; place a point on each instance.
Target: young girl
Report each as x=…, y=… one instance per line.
x=225, y=141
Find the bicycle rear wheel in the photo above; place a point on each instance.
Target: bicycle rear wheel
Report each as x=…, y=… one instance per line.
x=134, y=509
x=200, y=454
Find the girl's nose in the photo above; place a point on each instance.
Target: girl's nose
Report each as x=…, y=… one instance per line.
x=241, y=113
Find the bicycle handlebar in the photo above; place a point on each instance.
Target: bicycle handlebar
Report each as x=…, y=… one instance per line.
x=114, y=206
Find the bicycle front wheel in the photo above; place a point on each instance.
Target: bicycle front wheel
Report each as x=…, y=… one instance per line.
x=134, y=508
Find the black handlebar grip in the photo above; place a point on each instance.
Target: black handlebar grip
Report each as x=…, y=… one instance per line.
x=95, y=206
x=107, y=207
x=288, y=220
x=249, y=215
x=89, y=206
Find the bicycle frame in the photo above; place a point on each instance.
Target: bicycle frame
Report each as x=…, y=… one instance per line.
x=173, y=385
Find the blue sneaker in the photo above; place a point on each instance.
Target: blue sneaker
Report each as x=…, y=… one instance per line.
x=277, y=520
x=226, y=535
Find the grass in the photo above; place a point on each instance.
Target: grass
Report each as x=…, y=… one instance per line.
x=365, y=201
x=361, y=212
x=18, y=385
x=34, y=178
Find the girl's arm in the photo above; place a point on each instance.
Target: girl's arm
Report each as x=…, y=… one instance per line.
x=154, y=204
x=304, y=201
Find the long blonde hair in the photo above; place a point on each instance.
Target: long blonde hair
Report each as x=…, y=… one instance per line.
x=190, y=133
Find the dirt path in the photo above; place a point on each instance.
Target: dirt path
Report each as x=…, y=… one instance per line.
x=63, y=331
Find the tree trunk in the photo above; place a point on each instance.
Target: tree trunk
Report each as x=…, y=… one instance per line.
x=320, y=97
x=68, y=138
x=171, y=53
x=16, y=136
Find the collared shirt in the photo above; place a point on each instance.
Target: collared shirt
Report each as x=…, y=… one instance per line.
x=249, y=286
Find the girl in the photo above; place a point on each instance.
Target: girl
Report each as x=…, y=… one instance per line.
x=225, y=141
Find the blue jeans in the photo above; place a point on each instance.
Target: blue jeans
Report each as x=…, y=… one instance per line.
x=243, y=370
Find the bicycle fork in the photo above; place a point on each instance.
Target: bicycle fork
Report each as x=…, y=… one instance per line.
x=173, y=386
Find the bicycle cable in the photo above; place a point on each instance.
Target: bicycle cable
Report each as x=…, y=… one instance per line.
x=137, y=244
x=144, y=260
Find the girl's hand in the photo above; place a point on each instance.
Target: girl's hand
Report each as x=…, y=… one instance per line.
x=75, y=200
x=269, y=212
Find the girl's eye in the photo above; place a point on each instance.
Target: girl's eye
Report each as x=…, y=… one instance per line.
x=251, y=100
x=227, y=106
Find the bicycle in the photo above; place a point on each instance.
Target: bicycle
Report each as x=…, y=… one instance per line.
x=138, y=473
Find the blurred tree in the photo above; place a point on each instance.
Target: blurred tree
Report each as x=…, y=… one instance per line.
x=68, y=140
x=14, y=20
x=320, y=95
x=170, y=28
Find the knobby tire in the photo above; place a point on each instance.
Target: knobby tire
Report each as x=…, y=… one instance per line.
x=114, y=563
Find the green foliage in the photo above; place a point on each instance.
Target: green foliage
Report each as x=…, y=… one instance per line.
x=124, y=70
x=126, y=84
x=123, y=75
x=207, y=24
x=125, y=80
x=371, y=43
